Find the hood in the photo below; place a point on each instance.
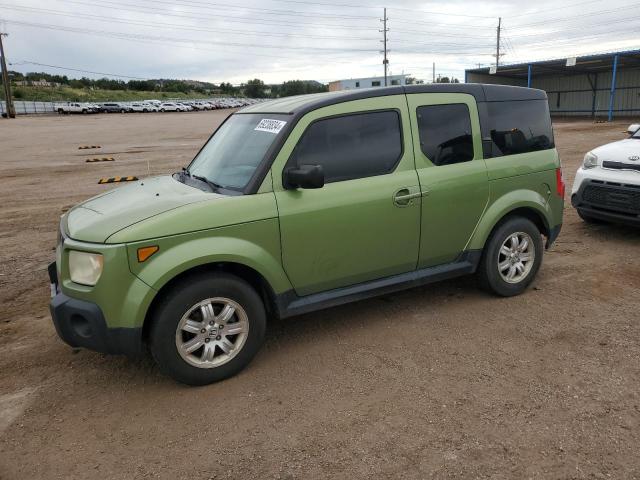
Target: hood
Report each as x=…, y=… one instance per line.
x=620, y=151
x=102, y=216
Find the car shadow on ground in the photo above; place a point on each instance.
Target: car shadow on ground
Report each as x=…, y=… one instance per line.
x=285, y=335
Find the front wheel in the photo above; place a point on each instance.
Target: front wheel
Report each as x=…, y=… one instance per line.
x=512, y=257
x=207, y=328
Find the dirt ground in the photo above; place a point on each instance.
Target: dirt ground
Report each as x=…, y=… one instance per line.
x=443, y=381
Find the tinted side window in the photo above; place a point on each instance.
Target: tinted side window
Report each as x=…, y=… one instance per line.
x=445, y=133
x=519, y=127
x=352, y=146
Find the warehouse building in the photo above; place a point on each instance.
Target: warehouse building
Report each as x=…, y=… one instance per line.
x=368, y=82
x=603, y=85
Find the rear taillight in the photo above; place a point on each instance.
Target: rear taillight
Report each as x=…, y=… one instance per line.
x=560, y=186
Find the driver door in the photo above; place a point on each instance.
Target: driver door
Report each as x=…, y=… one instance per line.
x=364, y=223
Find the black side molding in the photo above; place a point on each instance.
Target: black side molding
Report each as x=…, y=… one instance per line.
x=290, y=304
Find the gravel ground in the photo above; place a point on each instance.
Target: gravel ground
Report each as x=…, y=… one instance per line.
x=443, y=381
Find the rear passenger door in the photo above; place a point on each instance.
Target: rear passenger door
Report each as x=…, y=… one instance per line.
x=364, y=223
x=451, y=170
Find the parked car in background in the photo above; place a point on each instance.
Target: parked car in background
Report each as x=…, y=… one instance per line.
x=185, y=107
x=149, y=107
x=607, y=185
x=170, y=107
x=114, y=107
x=137, y=107
x=368, y=192
x=73, y=107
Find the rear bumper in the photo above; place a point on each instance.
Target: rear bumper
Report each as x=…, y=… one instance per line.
x=82, y=324
x=609, y=201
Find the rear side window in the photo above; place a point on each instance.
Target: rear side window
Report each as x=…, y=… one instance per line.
x=352, y=146
x=445, y=133
x=519, y=127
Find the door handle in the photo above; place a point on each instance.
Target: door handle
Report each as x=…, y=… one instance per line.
x=403, y=197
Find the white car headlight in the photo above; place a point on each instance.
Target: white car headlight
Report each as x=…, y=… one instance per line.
x=85, y=268
x=590, y=160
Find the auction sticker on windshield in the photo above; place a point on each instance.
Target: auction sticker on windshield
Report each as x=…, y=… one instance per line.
x=269, y=125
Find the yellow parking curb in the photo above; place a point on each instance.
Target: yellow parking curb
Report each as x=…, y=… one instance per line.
x=117, y=179
x=103, y=159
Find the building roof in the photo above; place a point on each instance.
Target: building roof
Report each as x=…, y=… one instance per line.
x=601, y=62
x=369, y=78
x=301, y=104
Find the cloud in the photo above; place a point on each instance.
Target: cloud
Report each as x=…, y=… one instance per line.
x=276, y=40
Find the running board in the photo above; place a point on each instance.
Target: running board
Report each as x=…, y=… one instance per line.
x=290, y=304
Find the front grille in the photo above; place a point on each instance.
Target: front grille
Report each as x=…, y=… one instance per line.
x=620, y=199
x=621, y=166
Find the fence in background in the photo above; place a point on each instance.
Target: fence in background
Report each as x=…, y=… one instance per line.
x=29, y=108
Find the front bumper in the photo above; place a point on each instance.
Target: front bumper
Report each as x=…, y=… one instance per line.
x=81, y=323
x=611, y=201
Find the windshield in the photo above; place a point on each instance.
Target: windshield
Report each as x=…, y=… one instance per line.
x=231, y=156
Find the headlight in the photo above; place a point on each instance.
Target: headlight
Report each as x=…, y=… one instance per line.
x=85, y=268
x=590, y=160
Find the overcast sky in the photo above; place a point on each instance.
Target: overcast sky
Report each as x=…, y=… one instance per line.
x=324, y=40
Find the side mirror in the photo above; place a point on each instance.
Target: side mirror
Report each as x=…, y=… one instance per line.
x=304, y=176
x=633, y=128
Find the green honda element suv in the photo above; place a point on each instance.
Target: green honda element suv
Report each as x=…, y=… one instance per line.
x=308, y=202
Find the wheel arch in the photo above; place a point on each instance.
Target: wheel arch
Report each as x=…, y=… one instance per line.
x=254, y=278
x=531, y=206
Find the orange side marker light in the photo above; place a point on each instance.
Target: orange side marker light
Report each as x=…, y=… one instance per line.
x=145, y=252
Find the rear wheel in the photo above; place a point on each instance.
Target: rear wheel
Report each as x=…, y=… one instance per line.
x=207, y=329
x=512, y=257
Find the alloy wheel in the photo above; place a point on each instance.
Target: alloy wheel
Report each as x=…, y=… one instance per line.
x=516, y=257
x=212, y=332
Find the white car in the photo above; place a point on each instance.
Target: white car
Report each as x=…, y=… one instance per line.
x=607, y=185
x=73, y=107
x=137, y=107
x=171, y=107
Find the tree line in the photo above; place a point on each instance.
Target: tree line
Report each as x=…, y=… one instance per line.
x=254, y=88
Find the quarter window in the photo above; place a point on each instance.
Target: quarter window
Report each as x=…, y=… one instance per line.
x=519, y=127
x=445, y=133
x=352, y=146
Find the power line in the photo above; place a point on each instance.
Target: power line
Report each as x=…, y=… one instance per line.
x=574, y=17
x=555, y=7
x=265, y=11
x=101, y=18
x=28, y=62
x=228, y=18
x=133, y=36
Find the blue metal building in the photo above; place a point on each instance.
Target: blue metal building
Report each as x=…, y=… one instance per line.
x=603, y=85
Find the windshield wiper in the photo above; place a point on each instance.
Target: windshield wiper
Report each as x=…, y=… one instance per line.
x=214, y=186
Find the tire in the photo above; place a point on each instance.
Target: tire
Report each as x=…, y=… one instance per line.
x=84, y=111
x=162, y=110
x=183, y=307
x=496, y=267
x=589, y=219
x=123, y=111
x=60, y=111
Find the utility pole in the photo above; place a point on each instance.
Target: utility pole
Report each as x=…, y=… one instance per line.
x=384, y=31
x=498, y=42
x=434, y=73
x=11, y=112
